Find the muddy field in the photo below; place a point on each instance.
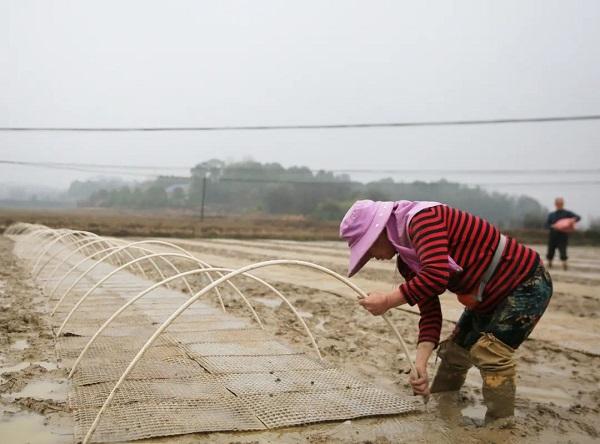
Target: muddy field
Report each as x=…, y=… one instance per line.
x=559, y=386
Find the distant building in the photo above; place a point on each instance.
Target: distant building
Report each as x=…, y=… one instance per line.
x=184, y=186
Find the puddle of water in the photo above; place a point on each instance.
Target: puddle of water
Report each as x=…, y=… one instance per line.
x=15, y=368
x=553, y=371
x=545, y=395
x=54, y=390
x=476, y=411
x=20, y=344
x=321, y=325
x=305, y=314
x=23, y=365
x=47, y=365
x=25, y=427
x=273, y=303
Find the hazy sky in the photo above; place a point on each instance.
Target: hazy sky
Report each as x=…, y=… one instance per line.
x=183, y=63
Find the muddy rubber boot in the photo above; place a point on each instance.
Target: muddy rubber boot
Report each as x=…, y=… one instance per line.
x=452, y=372
x=565, y=266
x=550, y=263
x=499, y=395
x=495, y=361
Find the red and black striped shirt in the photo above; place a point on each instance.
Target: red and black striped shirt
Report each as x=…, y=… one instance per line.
x=442, y=231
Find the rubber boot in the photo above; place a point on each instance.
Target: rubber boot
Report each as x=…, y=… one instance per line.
x=565, y=266
x=550, y=263
x=496, y=363
x=452, y=372
x=499, y=395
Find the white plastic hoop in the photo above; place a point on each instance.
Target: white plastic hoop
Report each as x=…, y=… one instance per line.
x=195, y=297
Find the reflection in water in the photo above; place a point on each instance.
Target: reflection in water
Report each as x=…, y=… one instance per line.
x=20, y=344
x=54, y=390
x=25, y=427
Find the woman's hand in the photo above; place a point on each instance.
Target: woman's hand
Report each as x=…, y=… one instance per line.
x=378, y=302
x=420, y=383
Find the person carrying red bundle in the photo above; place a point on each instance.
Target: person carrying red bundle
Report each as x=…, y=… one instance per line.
x=560, y=223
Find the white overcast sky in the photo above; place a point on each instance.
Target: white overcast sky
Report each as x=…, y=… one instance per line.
x=186, y=63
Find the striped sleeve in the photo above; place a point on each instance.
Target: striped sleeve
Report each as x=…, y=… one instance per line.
x=429, y=237
x=430, y=324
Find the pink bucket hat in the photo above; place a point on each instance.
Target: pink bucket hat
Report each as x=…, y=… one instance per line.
x=361, y=226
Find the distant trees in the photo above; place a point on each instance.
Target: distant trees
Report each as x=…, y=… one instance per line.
x=81, y=190
x=151, y=195
x=249, y=186
x=178, y=198
x=269, y=187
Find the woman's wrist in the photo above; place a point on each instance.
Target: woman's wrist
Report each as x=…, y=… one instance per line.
x=396, y=298
x=424, y=351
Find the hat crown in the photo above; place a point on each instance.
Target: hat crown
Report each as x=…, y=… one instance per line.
x=357, y=220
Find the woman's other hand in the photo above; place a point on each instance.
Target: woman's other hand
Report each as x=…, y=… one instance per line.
x=378, y=302
x=420, y=383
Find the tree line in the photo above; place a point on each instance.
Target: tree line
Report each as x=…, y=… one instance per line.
x=269, y=188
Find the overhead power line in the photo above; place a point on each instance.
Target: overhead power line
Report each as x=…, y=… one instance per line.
x=92, y=168
x=524, y=184
x=473, y=171
x=61, y=165
x=75, y=167
x=423, y=171
x=334, y=182
x=123, y=170
x=292, y=182
x=308, y=126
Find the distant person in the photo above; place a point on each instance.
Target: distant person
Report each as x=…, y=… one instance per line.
x=559, y=231
x=502, y=284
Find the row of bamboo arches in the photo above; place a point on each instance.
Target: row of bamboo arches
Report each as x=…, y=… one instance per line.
x=53, y=250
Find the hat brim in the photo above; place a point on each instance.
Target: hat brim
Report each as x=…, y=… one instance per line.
x=359, y=251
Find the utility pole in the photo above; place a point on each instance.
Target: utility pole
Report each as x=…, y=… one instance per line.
x=204, y=182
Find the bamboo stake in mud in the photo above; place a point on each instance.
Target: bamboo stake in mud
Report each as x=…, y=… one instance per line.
x=413, y=368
